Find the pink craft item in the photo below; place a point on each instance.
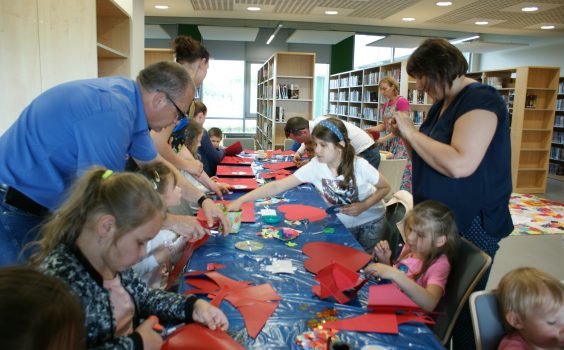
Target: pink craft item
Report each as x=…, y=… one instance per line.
x=389, y=298
x=371, y=322
x=296, y=212
x=322, y=254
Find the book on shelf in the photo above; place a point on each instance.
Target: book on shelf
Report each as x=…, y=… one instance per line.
x=294, y=91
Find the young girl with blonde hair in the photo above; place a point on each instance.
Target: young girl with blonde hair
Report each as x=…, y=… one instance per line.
x=423, y=266
x=531, y=304
x=91, y=242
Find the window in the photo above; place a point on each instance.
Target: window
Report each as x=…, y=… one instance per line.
x=223, y=94
x=320, y=106
x=369, y=55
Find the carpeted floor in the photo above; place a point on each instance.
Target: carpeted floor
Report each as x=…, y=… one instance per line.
x=535, y=216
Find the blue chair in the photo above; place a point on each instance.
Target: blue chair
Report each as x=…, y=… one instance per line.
x=486, y=321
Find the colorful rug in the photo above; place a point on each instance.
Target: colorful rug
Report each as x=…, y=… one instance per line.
x=536, y=216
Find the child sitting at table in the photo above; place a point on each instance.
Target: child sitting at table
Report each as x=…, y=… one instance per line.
x=190, y=150
x=38, y=312
x=216, y=135
x=209, y=155
x=91, y=242
x=167, y=247
x=342, y=178
x=531, y=304
x=423, y=266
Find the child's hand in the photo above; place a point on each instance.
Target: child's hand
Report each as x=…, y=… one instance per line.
x=209, y=315
x=297, y=157
x=195, y=167
x=225, y=188
x=383, y=252
x=188, y=226
x=353, y=209
x=301, y=163
x=214, y=178
x=162, y=254
x=381, y=270
x=213, y=212
x=234, y=206
x=151, y=339
x=214, y=186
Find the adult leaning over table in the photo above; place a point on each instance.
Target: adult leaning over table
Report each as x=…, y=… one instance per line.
x=82, y=123
x=461, y=154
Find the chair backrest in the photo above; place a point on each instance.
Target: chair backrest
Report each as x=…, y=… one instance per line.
x=246, y=142
x=392, y=169
x=486, y=321
x=470, y=265
x=288, y=143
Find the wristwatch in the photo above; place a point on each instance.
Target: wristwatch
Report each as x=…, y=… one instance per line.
x=202, y=199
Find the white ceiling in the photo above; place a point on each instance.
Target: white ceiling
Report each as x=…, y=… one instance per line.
x=505, y=16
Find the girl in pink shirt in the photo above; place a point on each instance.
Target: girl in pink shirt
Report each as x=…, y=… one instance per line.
x=423, y=266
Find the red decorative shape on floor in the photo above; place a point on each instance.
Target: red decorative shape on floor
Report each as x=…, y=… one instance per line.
x=297, y=212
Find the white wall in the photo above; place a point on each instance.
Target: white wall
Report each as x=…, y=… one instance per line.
x=548, y=53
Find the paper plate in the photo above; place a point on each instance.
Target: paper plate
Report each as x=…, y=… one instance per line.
x=249, y=246
x=239, y=187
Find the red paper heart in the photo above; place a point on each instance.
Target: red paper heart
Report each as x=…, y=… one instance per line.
x=194, y=336
x=322, y=254
x=296, y=212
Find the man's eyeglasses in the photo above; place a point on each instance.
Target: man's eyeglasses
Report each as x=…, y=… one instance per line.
x=180, y=114
x=294, y=132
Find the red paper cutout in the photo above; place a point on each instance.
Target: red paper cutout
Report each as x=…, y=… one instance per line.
x=181, y=263
x=322, y=254
x=249, y=151
x=234, y=181
x=215, y=266
x=371, y=322
x=195, y=336
x=248, y=214
x=284, y=153
x=296, y=212
x=282, y=165
x=236, y=160
x=277, y=174
x=227, y=170
x=335, y=279
x=256, y=315
x=409, y=317
x=234, y=149
x=389, y=298
x=252, y=301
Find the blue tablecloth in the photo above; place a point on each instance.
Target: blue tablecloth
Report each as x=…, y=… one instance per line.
x=299, y=304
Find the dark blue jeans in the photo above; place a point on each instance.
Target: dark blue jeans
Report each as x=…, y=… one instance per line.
x=17, y=228
x=372, y=156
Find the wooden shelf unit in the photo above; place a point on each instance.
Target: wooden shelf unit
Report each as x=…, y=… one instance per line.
x=113, y=39
x=530, y=94
x=275, y=103
x=354, y=96
x=556, y=160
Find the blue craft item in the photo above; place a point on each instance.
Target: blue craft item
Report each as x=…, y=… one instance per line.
x=403, y=268
x=270, y=219
x=334, y=209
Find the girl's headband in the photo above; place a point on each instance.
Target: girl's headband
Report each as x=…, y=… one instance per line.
x=329, y=125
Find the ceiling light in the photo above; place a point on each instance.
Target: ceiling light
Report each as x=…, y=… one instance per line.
x=408, y=19
x=444, y=3
x=548, y=27
x=331, y=12
x=161, y=7
x=274, y=34
x=530, y=9
x=253, y=8
x=458, y=41
x=481, y=23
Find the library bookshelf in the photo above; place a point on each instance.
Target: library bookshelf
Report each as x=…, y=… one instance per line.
x=556, y=162
x=285, y=88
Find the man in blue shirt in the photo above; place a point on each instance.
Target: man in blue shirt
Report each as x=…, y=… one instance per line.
x=78, y=124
